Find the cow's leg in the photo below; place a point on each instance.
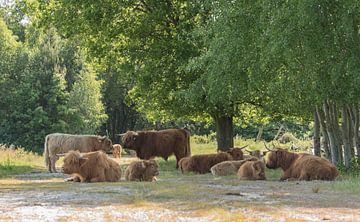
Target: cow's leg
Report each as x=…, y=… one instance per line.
x=53, y=160
x=49, y=165
x=304, y=176
x=178, y=158
x=74, y=179
x=286, y=175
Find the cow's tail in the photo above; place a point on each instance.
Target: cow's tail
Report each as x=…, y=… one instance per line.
x=187, y=137
x=46, y=152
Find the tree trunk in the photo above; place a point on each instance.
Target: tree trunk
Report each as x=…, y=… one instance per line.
x=260, y=133
x=224, y=132
x=337, y=131
x=317, y=150
x=346, y=136
x=324, y=133
x=331, y=134
x=354, y=114
x=351, y=122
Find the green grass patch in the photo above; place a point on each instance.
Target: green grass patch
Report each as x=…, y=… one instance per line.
x=347, y=183
x=16, y=161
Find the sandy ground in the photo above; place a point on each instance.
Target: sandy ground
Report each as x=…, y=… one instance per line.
x=41, y=196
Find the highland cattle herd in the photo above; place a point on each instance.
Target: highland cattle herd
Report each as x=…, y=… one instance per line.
x=85, y=158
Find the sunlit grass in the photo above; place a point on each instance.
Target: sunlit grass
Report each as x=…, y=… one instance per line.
x=15, y=161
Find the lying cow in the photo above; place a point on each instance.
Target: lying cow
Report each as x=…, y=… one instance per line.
x=144, y=170
x=91, y=167
x=252, y=170
x=203, y=163
x=229, y=167
x=301, y=166
x=256, y=153
x=116, y=150
x=163, y=143
x=58, y=143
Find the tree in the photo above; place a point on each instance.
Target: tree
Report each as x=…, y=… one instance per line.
x=86, y=110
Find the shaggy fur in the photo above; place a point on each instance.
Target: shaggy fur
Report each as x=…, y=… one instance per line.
x=301, y=166
x=91, y=167
x=203, y=163
x=229, y=167
x=163, y=143
x=58, y=143
x=116, y=150
x=252, y=170
x=144, y=170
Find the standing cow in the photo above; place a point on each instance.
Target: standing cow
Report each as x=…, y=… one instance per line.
x=58, y=143
x=162, y=143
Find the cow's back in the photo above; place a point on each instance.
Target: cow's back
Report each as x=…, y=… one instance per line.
x=164, y=142
x=315, y=168
x=62, y=143
x=203, y=163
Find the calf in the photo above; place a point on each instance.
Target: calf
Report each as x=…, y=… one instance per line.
x=144, y=170
x=91, y=167
x=301, y=166
x=203, y=163
x=117, y=150
x=252, y=170
x=229, y=167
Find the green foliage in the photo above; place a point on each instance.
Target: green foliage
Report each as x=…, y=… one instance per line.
x=353, y=171
x=43, y=92
x=86, y=110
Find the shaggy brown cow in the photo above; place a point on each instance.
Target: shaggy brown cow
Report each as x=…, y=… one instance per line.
x=117, y=150
x=229, y=167
x=91, y=167
x=203, y=163
x=252, y=170
x=301, y=166
x=58, y=143
x=144, y=170
x=163, y=143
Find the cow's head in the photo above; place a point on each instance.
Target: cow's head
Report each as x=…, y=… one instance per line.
x=258, y=170
x=279, y=158
x=150, y=169
x=130, y=140
x=236, y=153
x=105, y=142
x=72, y=162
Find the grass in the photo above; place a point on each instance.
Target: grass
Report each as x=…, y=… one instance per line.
x=19, y=161
x=16, y=161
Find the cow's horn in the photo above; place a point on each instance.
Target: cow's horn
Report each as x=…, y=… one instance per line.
x=243, y=147
x=122, y=134
x=60, y=154
x=267, y=147
x=248, y=151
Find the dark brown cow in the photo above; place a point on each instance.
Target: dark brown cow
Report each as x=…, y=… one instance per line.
x=301, y=166
x=203, y=163
x=91, y=167
x=163, y=143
